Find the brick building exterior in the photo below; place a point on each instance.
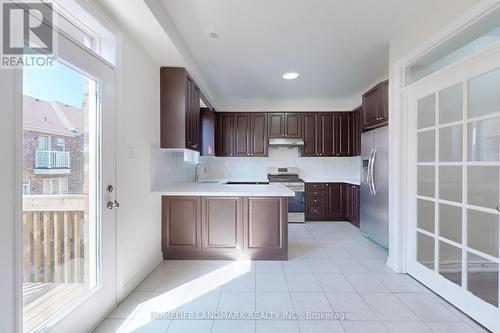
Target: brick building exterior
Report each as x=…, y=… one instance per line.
x=53, y=132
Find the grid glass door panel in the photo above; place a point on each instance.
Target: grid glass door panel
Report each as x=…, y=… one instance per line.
x=458, y=185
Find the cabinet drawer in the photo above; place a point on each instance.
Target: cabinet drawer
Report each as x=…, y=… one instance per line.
x=316, y=201
x=315, y=210
x=315, y=193
x=315, y=186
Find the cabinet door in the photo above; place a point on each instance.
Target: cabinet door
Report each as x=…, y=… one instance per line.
x=189, y=113
x=276, y=125
x=222, y=224
x=371, y=106
x=326, y=135
x=225, y=137
x=310, y=136
x=258, y=133
x=265, y=231
x=343, y=134
x=241, y=134
x=335, y=200
x=356, y=206
x=293, y=125
x=181, y=225
x=383, y=111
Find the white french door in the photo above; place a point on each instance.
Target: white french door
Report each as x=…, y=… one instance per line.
x=69, y=271
x=453, y=174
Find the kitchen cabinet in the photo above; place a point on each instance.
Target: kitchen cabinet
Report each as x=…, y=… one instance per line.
x=310, y=148
x=332, y=202
x=376, y=106
x=319, y=135
x=225, y=228
x=179, y=109
x=224, y=134
x=352, y=204
x=222, y=224
x=344, y=134
x=355, y=133
x=258, y=135
x=285, y=125
x=241, y=134
x=181, y=227
x=208, y=119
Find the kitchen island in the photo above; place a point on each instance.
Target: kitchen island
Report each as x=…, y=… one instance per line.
x=221, y=221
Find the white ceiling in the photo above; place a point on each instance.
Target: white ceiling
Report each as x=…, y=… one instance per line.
x=338, y=46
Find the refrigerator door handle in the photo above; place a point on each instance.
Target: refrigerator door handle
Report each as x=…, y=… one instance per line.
x=372, y=168
x=368, y=173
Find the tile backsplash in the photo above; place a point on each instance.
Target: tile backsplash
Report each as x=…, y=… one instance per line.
x=311, y=168
x=169, y=166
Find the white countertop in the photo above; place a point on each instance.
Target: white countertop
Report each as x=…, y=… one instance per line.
x=223, y=190
x=347, y=181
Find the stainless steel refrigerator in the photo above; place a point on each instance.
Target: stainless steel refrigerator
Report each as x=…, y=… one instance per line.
x=374, y=204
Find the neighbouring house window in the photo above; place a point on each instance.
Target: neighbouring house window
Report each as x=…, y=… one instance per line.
x=61, y=145
x=55, y=185
x=27, y=188
x=44, y=142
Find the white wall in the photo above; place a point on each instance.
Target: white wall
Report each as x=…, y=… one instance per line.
x=9, y=203
x=137, y=126
x=324, y=169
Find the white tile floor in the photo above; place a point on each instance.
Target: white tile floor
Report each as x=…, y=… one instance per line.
x=332, y=268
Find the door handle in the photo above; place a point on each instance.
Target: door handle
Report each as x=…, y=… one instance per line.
x=110, y=205
x=498, y=208
x=368, y=173
x=374, y=189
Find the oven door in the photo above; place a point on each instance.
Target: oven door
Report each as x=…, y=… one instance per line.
x=296, y=208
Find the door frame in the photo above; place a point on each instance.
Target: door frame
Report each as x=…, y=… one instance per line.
x=398, y=126
x=460, y=73
x=64, y=320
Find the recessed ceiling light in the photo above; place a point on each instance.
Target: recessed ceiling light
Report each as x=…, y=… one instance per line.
x=213, y=35
x=291, y=76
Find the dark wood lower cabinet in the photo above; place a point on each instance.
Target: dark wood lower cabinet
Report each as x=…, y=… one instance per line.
x=225, y=228
x=332, y=202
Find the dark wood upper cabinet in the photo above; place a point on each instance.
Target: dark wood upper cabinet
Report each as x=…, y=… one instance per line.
x=241, y=135
x=326, y=132
x=343, y=134
x=310, y=136
x=376, y=106
x=224, y=134
x=276, y=123
x=355, y=133
x=293, y=125
x=258, y=134
x=208, y=119
x=285, y=125
x=179, y=110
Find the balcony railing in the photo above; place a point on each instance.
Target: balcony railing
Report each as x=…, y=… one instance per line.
x=51, y=159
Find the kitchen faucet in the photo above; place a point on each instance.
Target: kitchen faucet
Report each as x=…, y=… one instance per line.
x=196, y=176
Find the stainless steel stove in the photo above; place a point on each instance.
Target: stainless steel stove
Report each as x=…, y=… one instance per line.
x=289, y=177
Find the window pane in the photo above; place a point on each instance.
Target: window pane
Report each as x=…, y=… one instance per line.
x=425, y=215
x=484, y=94
x=425, y=250
x=450, y=183
x=482, y=232
x=484, y=140
x=482, y=278
x=451, y=104
x=426, y=146
x=426, y=113
x=450, y=222
x=450, y=262
x=426, y=181
x=483, y=185
x=450, y=144
x=60, y=257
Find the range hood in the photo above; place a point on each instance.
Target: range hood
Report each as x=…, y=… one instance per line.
x=286, y=142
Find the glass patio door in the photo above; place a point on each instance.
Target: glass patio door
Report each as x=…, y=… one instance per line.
x=69, y=277
x=453, y=177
